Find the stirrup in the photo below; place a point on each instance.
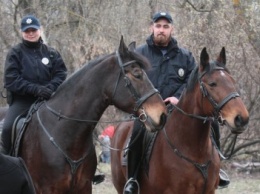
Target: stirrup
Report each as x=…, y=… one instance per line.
x=223, y=179
x=134, y=181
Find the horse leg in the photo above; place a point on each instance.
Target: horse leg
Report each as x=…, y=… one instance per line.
x=119, y=141
x=118, y=171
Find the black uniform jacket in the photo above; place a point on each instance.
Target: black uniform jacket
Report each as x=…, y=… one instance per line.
x=29, y=66
x=170, y=71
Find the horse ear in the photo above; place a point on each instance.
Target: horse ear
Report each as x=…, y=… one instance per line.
x=222, y=56
x=132, y=46
x=204, y=59
x=122, y=47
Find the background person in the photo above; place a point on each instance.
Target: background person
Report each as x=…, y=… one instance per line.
x=32, y=70
x=171, y=68
x=105, y=148
x=105, y=139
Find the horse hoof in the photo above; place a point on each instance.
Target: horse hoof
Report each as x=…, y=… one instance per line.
x=223, y=179
x=98, y=179
x=130, y=188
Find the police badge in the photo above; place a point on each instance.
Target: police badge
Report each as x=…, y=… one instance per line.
x=181, y=72
x=29, y=21
x=45, y=61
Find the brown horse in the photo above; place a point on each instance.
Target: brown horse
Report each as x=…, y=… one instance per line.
x=57, y=145
x=183, y=158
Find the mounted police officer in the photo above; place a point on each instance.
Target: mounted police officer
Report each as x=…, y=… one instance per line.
x=32, y=70
x=171, y=68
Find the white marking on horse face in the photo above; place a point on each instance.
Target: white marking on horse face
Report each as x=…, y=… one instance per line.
x=222, y=73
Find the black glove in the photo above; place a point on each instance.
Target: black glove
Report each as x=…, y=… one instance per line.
x=44, y=92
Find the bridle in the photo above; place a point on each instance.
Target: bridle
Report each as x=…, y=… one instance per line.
x=139, y=100
x=217, y=106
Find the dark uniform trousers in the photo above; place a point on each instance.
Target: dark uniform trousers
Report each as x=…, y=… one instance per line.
x=16, y=108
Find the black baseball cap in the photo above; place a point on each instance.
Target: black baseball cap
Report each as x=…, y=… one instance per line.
x=164, y=15
x=30, y=21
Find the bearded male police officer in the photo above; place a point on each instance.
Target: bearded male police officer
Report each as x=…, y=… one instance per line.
x=171, y=68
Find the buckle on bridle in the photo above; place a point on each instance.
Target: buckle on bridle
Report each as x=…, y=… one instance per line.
x=143, y=117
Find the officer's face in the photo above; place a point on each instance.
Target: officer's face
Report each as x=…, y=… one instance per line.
x=162, y=31
x=31, y=34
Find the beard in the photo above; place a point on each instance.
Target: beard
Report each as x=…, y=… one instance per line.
x=161, y=40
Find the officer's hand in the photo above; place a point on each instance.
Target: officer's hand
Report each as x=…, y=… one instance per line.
x=44, y=92
x=172, y=100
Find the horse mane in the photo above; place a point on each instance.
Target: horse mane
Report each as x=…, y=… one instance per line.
x=142, y=61
x=73, y=78
x=194, y=76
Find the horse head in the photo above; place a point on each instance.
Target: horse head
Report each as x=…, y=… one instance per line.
x=141, y=94
x=218, y=86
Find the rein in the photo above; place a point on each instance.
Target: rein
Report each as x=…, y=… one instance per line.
x=61, y=116
x=204, y=119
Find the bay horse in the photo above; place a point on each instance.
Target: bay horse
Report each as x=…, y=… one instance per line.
x=184, y=158
x=57, y=145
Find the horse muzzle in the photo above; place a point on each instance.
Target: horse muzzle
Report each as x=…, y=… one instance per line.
x=153, y=126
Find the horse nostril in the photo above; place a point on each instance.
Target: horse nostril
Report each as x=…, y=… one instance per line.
x=240, y=122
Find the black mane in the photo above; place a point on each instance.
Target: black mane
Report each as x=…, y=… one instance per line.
x=142, y=61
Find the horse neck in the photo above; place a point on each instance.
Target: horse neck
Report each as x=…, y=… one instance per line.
x=192, y=132
x=84, y=101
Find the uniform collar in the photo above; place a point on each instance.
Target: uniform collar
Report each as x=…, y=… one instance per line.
x=33, y=44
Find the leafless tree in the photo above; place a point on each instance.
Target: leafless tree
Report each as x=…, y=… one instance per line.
x=82, y=30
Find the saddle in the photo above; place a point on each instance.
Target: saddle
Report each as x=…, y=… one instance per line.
x=148, y=143
x=19, y=127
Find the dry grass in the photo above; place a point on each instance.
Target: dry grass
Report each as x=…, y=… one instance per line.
x=240, y=183
x=105, y=187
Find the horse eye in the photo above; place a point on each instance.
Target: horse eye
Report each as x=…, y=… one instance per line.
x=212, y=84
x=137, y=73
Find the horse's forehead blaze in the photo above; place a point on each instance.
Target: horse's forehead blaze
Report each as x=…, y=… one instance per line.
x=222, y=74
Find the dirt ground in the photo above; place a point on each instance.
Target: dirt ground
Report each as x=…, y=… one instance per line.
x=241, y=183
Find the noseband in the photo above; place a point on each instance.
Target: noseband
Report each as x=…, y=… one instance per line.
x=139, y=100
x=217, y=106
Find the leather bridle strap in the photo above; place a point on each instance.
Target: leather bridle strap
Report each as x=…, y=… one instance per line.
x=225, y=100
x=138, y=100
x=217, y=106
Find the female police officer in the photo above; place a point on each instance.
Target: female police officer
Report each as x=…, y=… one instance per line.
x=32, y=70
